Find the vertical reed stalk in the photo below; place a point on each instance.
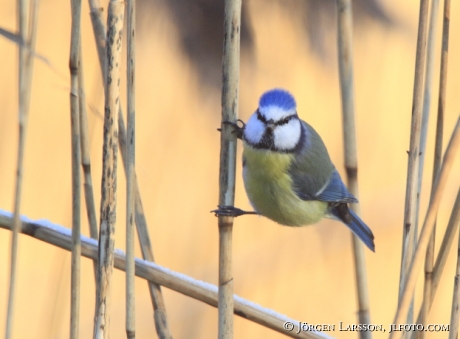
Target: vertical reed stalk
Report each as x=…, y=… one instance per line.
x=455, y=311
x=447, y=241
x=86, y=160
x=130, y=161
x=410, y=232
x=448, y=237
x=443, y=72
x=345, y=57
x=429, y=258
x=160, y=316
x=76, y=160
x=230, y=82
x=27, y=30
x=109, y=169
x=408, y=290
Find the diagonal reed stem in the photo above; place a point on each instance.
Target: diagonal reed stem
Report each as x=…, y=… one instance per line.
x=160, y=316
x=27, y=31
x=130, y=161
x=109, y=170
x=60, y=236
x=99, y=34
x=74, y=61
x=345, y=57
x=230, y=81
x=406, y=296
x=441, y=260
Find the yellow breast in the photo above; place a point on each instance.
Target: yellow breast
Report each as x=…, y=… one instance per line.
x=269, y=189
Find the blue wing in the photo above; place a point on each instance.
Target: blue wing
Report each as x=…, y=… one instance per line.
x=335, y=191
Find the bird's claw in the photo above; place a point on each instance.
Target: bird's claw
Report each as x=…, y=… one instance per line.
x=230, y=211
x=237, y=129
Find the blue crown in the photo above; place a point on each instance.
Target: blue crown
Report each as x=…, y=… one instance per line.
x=279, y=98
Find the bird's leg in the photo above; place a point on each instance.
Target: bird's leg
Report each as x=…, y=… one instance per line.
x=237, y=129
x=230, y=211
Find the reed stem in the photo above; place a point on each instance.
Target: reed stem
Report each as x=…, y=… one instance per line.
x=74, y=65
x=429, y=258
x=411, y=201
x=130, y=163
x=27, y=30
x=455, y=311
x=230, y=82
x=109, y=170
x=417, y=261
x=345, y=57
x=160, y=315
x=60, y=236
x=86, y=160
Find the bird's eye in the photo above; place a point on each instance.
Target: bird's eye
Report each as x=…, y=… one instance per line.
x=285, y=120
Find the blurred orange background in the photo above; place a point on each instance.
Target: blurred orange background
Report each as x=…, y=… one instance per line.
x=305, y=273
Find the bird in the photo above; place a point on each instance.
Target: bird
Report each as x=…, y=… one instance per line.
x=288, y=174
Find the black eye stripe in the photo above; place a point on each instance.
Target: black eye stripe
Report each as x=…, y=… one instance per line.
x=261, y=117
x=285, y=120
x=281, y=122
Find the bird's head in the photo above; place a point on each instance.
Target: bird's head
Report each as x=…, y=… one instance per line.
x=275, y=125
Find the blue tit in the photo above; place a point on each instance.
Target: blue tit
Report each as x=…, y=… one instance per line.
x=287, y=172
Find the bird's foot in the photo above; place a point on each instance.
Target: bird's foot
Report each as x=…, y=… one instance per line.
x=230, y=211
x=237, y=129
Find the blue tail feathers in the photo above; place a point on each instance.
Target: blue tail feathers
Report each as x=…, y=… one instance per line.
x=356, y=225
x=361, y=230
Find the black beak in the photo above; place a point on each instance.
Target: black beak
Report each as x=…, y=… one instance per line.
x=270, y=124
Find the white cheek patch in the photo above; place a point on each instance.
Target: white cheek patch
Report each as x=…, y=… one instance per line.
x=254, y=130
x=276, y=113
x=287, y=136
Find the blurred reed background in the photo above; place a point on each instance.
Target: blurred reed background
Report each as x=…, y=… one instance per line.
x=305, y=273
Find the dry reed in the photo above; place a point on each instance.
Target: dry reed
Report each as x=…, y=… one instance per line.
x=345, y=49
x=160, y=315
x=74, y=61
x=441, y=259
x=109, y=170
x=409, y=286
x=27, y=29
x=409, y=231
x=130, y=161
x=99, y=34
x=429, y=258
x=60, y=236
x=86, y=160
x=230, y=82
x=433, y=274
x=455, y=313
